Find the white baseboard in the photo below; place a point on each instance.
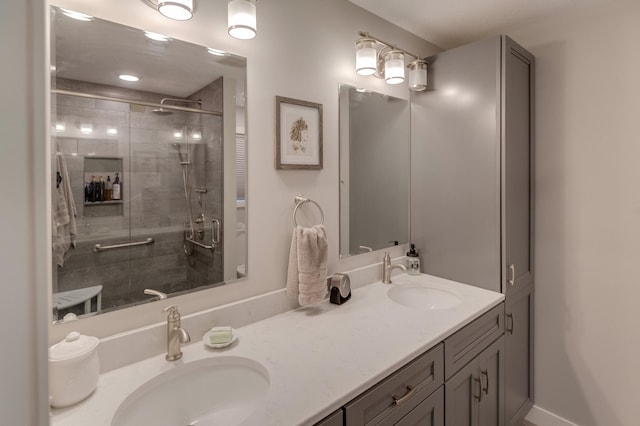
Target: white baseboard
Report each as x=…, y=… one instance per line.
x=541, y=417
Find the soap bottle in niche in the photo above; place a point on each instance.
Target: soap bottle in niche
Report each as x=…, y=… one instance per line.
x=413, y=261
x=108, y=189
x=115, y=193
x=101, y=189
x=94, y=189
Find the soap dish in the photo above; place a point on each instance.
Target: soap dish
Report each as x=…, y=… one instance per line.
x=205, y=340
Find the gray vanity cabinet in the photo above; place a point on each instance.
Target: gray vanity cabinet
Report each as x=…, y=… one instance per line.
x=396, y=397
x=333, y=419
x=474, y=395
x=472, y=183
x=519, y=355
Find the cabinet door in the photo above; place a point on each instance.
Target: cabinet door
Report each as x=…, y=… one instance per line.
x=429, y=412
x=491, y=373
x=463, y=393
x=334, y=419
x=517, y=182
x=519, y=356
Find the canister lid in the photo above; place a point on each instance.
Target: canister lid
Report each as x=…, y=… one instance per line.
x=74, y=345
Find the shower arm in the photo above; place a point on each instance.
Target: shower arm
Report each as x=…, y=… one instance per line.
x=187, y=101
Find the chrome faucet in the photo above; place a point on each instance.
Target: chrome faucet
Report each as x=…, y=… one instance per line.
x=176, y=335
x=387, y=267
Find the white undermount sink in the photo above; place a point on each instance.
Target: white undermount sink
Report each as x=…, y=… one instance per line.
x=424, y=297
x=222, y=390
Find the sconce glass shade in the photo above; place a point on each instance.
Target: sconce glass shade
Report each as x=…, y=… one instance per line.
x=180, y=10
x=394, y=67
x=242, y=19
x=366, y=56
x=418, y=75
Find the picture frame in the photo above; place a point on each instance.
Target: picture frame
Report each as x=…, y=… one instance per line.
x=298, y=134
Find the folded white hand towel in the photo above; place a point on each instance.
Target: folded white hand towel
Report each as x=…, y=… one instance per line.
x=307, y=273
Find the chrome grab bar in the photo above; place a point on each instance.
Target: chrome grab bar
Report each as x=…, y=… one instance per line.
x=100, y=248
x=215, y=237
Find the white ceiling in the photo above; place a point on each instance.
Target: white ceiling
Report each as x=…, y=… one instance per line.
x=452, y=23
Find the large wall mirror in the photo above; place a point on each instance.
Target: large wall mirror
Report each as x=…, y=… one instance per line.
x=148, y=166
x=374, y=170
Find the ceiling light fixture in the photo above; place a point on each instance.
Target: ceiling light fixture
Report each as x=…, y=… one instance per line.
x=242, y=22
x=384, y=60
x=179, y=10
x=129, y=77
x=77, y=15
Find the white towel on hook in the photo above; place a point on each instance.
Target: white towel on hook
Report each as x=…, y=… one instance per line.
x=64, y=217
x=307, y=273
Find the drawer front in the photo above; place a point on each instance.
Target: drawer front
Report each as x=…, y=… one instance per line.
x=394, y=397
x=465, y=344
x=334, y=419
x=429, y=412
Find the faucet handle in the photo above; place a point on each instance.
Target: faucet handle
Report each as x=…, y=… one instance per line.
x=172, y=309
x=151, y=292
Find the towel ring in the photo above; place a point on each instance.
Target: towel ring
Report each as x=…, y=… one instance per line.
x=300, y=200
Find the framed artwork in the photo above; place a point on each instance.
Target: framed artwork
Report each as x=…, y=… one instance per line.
x=298, y=134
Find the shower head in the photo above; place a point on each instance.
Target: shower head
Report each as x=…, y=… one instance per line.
x=177, y=147
x=161, y=111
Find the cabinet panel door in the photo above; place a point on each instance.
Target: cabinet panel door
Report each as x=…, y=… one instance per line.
x=517, y=75
x=430, y=412
x=335, y=419
x=519, y=356
x=462, y=393
x=491, y=365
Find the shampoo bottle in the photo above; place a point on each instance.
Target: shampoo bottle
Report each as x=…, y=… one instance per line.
x=413, y=261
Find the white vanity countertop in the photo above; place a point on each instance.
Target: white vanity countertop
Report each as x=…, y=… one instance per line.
x=318, y=357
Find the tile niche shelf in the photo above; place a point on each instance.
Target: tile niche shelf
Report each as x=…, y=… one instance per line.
x=102, y=167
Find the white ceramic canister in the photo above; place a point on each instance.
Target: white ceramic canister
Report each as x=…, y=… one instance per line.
x=74, y=369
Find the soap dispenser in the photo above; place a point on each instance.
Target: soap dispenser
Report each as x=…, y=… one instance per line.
x=413, y=261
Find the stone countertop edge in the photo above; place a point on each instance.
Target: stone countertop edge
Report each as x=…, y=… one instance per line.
x=318, y=357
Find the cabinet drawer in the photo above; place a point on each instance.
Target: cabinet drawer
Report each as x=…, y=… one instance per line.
x=429, y=412
x=394, y=397
x=465, y=344
x=334, y=419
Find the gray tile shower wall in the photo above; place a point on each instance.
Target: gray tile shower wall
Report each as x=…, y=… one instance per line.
x=153, y=202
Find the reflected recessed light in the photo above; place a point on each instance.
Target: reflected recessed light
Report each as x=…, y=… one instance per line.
x=177, y=134
x=196, y=135
x=86, y=129
x=217, y=52
x=156, y=36
x=128, y=77
x=76, y=15
x=112, y=131
x=361, y=89
x=74, y=154
x=60, y=127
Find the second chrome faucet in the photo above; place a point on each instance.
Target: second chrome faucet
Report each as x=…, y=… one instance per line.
x=387, y=267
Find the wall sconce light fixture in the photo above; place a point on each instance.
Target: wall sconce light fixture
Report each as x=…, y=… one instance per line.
x=180, y=10
x=242, y=19
x=384, y=60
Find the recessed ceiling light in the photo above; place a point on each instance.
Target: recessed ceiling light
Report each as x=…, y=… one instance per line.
x=112, y=131
x=86, y=129
x=128, y=77
x=60, y=127
x=217, y=52
x=177, y=134
x=156, y=36
x=77, y=15
x=196, y=135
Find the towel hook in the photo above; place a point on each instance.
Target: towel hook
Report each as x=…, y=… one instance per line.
x=300, y=200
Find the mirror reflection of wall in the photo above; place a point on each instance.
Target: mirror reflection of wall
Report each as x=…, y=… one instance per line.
x=154, y=172
x=374, y=170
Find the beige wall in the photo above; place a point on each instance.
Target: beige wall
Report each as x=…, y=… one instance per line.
x=587, y=213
